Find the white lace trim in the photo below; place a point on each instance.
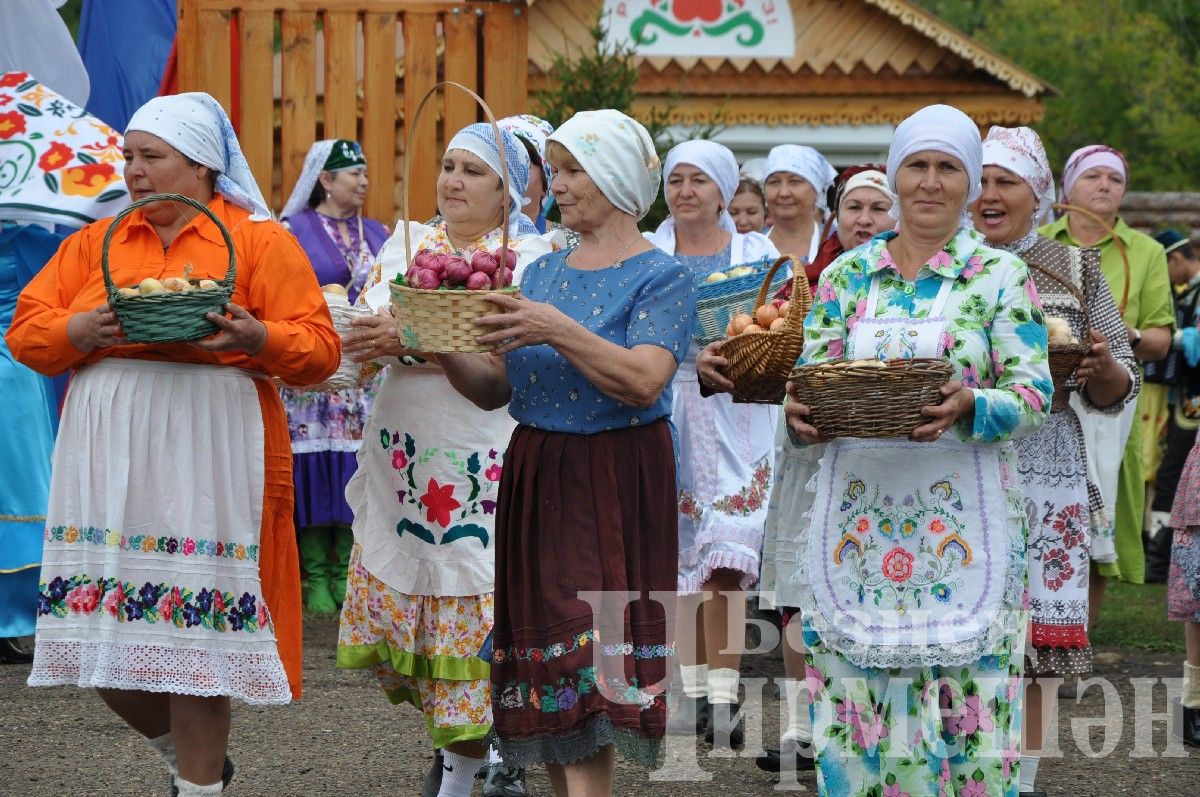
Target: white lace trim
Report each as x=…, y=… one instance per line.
x=329, y=444
x=257, y=678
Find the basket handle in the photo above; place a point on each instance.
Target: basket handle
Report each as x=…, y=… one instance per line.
x=110, y=287
x=408, y=143
x=793, y=320
x=1116, y=240
x=1073, y=289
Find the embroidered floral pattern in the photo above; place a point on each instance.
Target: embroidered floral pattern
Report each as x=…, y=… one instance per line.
x=446, y=507
x=125, y=601
x=564, y=693
x=688, y=506
x=553, y=651
x=901, y=550
x=148, y=543
x=750, y=498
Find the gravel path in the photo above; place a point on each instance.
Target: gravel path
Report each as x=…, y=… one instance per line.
x=345, y=739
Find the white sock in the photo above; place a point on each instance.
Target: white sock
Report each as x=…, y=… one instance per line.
x=165, y=746
x=189, y=789
x=1029, y=766
x=695, y=679
x=1191, y=686
x=458, y=774
x=723, y=685
x=799, y=721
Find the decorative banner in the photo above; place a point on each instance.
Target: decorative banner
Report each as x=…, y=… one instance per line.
x=58, y=164
x=729, y=28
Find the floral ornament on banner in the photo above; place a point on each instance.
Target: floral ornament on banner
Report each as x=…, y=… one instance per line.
x=58, y=163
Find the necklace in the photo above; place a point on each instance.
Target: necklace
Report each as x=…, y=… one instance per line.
x=617, y=258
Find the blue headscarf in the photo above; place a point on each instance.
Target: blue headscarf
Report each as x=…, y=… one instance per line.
x=480, y=140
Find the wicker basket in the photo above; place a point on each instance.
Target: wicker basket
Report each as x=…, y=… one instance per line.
x=759, y=363
x=718, y=302
x=349, y=373
x=863, y=399
x=441, y=321
x=169, y=317
x=1064, y=358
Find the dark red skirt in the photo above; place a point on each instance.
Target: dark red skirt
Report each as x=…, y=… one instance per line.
x=584, y=514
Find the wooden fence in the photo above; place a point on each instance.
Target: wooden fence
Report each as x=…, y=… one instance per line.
x=352, y=69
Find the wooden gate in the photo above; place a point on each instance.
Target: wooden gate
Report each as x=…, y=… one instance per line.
x=352, y=69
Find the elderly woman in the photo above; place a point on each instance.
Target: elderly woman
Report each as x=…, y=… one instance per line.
x=583, y=598
x=1095, y=178
x=726, y=458
x=324, y=212
x=795, y=184
x=861, y=200
x=169, y=577
x=1061, y=506
x=916, y=551
x=419, y=604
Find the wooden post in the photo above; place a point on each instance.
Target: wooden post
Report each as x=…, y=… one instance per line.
x=506, y=50
x=420, y=75
x=462, y=66
x=213, y=60
x=298, y=106
x=341, y=66
x=379, y=116
x=257, y=121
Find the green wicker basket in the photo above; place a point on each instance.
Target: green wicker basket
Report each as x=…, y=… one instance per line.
x=168, y=317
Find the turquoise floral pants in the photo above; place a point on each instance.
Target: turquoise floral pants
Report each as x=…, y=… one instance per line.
x=942, y=731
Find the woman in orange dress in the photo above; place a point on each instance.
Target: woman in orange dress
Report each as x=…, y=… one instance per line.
x=170, y=580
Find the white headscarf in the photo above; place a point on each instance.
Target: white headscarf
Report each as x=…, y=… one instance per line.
x=871, y=178
x=314, y=163
x=753, y=168
x=718, y=163
x=618, y=154
x=1088, y=157
x=1020, y=150
x=195, y=124
x=805, y=162
x=944, y=129
x=480, y=140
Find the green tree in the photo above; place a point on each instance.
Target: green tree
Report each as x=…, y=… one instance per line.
x=605, y=76
x=1127, y=73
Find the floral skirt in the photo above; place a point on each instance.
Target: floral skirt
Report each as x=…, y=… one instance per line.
x=424, y=650
x=1183, y=579
x=725, y=465
x=583, y=522
x=916, y=732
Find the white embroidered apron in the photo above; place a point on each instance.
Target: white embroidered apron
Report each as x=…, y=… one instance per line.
x=1104, y=443
x=909, y=545
x=150, y=574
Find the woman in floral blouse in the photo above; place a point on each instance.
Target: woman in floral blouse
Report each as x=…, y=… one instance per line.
x=916, y=551
x=418, y=605
x=587, y=501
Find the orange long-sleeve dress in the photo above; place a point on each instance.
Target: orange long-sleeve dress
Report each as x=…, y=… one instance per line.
x=275, y=283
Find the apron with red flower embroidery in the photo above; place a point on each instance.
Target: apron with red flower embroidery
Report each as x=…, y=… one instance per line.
x=909, y=544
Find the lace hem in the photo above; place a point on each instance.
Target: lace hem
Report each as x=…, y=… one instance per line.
x=1059, y=661
x=719, y=557
x=329, y=444
x=256, y=678
x=578, y=744
x=1008, y=621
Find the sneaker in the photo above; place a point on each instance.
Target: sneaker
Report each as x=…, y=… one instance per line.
x=723, y=731
x=504, y=781
x=226, y=776
x=433, y=778
x=772, y=760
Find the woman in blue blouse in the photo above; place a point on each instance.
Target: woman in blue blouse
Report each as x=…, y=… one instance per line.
x=586, y=509
x=915, y=565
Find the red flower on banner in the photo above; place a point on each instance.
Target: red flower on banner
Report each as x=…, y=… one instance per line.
x=88, y=179
x=13, y=79
x=439, y=501
x=58, y=156
x=11, y=123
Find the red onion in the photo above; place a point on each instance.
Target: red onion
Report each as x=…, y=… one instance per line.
x=484, y=262
x=479, y=281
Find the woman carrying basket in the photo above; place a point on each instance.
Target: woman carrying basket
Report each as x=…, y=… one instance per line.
x=586, y=525
x=726, y=456
x=324, y=212
x=916, y=551
x=419, y=602
x=170, y=581
x=1062, y=507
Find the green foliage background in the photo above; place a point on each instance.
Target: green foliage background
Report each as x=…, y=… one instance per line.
x=1128, y=70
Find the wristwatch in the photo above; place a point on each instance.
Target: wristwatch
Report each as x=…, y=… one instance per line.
x=1137, y=338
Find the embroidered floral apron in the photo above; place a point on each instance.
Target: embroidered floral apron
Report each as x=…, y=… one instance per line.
x=150, y=576
x=908, y=550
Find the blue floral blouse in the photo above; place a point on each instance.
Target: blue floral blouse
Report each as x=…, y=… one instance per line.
x=995, y=337
x=648, y=299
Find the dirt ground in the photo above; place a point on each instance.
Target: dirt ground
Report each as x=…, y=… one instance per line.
x=344, y=738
